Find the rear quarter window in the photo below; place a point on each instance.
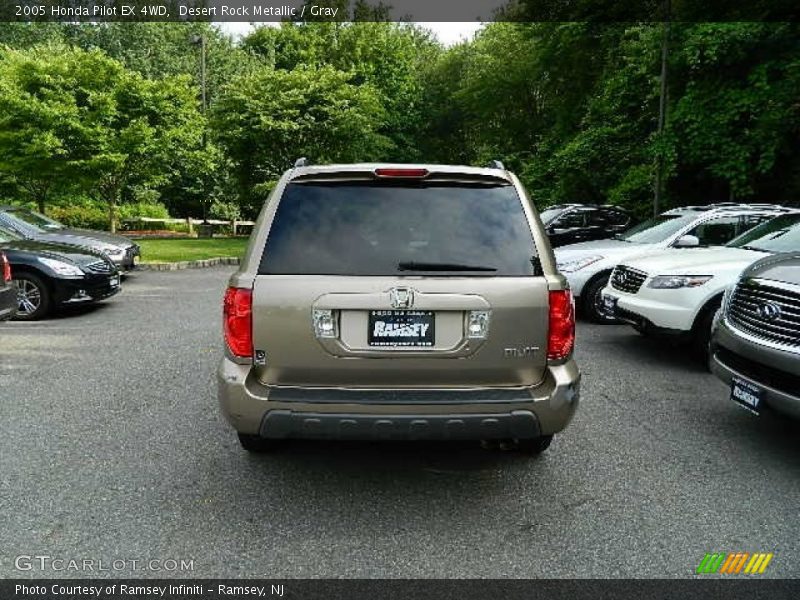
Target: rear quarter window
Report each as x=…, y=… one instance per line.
x=370, y=228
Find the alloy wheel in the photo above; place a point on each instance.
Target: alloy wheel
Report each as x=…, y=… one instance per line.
x=29, y=296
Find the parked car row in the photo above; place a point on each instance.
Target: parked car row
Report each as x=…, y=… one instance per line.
x=46, y=265
x=31, y=225
x=725, y=278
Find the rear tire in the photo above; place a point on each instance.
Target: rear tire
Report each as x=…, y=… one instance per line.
x=257, y=444
x=533, y=446
x=34, y=297
x=592, y=301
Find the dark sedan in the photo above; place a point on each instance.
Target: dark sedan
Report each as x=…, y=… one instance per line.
x=32, y=225
x=574, y=223
x=47, y=276
x=8, y=291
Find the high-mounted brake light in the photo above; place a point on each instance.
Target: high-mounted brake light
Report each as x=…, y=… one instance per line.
x=410, y=173
x=6, y=267
x=561, y=336
x=237, y=321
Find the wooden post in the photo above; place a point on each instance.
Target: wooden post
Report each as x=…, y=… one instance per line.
x=189, y=223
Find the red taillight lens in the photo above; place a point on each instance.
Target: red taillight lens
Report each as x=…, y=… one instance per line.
x=6, y=267
x=561, y=338
x=418, y=173
x=237, y=321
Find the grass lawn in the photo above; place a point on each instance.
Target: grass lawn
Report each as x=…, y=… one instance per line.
x=191, y=249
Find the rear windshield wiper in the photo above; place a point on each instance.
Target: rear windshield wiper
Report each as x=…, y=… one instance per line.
x=432, y=266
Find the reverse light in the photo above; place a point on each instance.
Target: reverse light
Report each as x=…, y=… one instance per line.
x=237, y=321
x=324, y=323
x=673, y=282
x=561, y=334
x=407, y=173
x=6, y=267
x=478, y=324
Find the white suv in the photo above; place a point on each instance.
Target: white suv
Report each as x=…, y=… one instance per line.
x=588, y=265
x=677, y=292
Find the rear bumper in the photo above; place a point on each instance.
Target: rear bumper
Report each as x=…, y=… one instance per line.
x=279, y=424
x=489, y=413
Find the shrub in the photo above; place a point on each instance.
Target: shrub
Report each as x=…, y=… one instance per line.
x=88, y=217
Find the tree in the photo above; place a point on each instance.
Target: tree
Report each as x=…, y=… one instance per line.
x=388, y=57
x=71, y=116
x=152, y=126
x=266, y=120
x=40, y=118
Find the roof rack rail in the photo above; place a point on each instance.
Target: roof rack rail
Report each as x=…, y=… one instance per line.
x=496, y=164
x=301, y=162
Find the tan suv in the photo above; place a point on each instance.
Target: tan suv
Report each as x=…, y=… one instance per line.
x=381, y=301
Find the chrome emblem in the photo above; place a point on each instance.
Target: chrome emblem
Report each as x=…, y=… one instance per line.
x=621, y=277
x=401, y=298
x=769, y=311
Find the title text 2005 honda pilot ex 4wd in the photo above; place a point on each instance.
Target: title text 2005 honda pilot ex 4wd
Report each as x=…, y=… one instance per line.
x=398, y=302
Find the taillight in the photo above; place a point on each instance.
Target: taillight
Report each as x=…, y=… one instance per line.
x=561, y=338
x=406, y=173
x=6, y=267
x=237, y=321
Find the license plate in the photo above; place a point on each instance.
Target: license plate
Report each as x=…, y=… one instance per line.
x=401, y=328
x=747, y=395
x=610, y=304
x=114, y=282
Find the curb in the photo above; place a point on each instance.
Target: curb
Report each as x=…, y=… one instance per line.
x=187, y=264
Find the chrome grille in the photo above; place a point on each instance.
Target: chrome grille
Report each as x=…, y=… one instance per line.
x=100, y=266
x=766, y=311
x=626, y=279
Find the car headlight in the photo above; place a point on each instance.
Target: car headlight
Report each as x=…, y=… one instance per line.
x=673, y=282
x=62, y=268
x=570, y=266
x=114, y=251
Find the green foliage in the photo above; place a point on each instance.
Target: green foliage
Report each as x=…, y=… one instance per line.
x=75, y=117
x=225, y=211
x=387, y=57
x=81, y=216
x=110, y=113
x=573, y=107
x=266, y=120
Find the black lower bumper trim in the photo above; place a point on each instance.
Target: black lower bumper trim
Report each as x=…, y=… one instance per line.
x=353, y=396
x=280, y=424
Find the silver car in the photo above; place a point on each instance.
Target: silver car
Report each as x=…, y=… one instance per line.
x=756, y=342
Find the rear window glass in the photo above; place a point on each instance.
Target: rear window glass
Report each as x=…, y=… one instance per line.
x=380, y=228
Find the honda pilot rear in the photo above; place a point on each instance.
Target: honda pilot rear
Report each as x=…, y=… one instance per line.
x=398, y=302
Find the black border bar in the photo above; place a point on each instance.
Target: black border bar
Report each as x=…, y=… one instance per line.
x=398, y=10
x=712, y=588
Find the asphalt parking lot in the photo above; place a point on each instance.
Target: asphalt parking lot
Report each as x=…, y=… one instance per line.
x=113, y=448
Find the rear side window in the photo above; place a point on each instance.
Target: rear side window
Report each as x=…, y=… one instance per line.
x=382, y=228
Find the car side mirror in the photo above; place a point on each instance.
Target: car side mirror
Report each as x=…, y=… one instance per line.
x=687, y=241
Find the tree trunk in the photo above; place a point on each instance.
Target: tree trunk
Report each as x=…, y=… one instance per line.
x=40, y=203
x=112, y=216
